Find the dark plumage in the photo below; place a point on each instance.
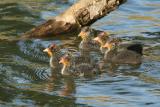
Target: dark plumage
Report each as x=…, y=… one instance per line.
x=87, y=43
x=130, y=55
x=72, y=67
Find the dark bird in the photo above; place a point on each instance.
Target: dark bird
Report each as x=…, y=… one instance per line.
x=130, y=55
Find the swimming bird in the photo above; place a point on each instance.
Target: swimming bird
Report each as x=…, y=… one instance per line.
x=87, y=43
x=130, y=55
x=102, y=38
x=55, y=54
x=72, y=68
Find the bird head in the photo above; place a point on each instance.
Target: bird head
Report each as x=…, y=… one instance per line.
x=51, y=49
x=108, y=45
x=65, y=60
x=85, y=32
x=112, y=43
x=102, y=38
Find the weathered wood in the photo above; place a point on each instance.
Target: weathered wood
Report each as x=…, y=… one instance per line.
x=82, y=13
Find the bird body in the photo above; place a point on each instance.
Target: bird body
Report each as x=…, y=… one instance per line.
x=130, y=55
x=72, y=67
x=54, y=61
x=87, y=42
x=83, y=64
x=123, y=57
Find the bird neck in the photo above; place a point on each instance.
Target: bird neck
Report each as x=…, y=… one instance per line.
x=103, y=50
x=102, y=42
x=106, y=53
x=56, y=55
x=86, y=39
x=65, y=70
x=110, y=53
x=84, y=42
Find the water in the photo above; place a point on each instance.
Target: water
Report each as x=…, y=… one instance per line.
x=24, y=70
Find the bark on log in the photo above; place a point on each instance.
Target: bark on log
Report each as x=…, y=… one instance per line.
x=82, y=13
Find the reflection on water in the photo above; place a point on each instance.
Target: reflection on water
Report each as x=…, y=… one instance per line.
x=27, y=80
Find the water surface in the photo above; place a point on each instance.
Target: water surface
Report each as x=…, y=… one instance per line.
x=25, y=76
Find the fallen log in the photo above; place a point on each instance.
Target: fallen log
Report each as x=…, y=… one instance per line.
x=82, y=13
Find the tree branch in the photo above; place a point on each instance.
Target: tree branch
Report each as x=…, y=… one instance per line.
x=82, y=13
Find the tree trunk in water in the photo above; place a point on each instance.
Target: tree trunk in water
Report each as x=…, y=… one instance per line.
x=82, y=13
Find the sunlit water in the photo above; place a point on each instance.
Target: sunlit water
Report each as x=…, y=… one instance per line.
x=25, y=75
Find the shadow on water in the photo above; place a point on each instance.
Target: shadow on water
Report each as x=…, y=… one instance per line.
x=27, y=80
x=8, y=94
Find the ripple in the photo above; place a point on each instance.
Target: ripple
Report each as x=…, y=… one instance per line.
x=25, y=67
x=33, y=49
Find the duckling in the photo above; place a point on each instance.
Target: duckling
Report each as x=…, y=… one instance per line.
x=55, y=54
x=82, y=57
x=101, y=38
x=87, y=43
x=67, y=68
x=130, y=55
x=70, y=68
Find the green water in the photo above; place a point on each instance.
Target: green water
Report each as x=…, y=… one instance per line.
x=24, y=69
